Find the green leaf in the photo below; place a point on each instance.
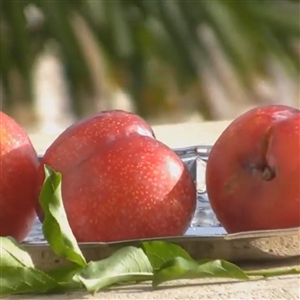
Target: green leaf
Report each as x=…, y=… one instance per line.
x=221, y=269
x=180, y=268
x=159, y=252
x=11, y=254
x=65, y=276
x=125, y=265
x=56, y=228
x=25, y=280
x=17, y=272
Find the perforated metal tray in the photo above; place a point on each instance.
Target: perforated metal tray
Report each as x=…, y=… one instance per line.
x=205, y=237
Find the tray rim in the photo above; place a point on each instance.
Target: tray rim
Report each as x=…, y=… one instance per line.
x=251, y=247
x=248, y=235
x=239, y=236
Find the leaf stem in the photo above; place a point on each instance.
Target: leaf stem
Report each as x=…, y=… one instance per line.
x=274, y=272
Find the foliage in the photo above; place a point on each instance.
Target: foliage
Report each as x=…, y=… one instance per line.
x=144, y=42
x=155, y=261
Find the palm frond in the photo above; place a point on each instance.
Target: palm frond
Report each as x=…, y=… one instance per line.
x=141, y=37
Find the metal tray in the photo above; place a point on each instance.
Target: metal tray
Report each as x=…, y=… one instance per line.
x=205, y=237
x=252, y=247
x=204, y=222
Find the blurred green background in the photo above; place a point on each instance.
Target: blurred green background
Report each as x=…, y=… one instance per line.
x=167, y=60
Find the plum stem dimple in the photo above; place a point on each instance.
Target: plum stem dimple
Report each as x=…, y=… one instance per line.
x=268, y=173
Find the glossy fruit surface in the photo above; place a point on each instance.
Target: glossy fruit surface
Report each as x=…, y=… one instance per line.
x=79, y=141
x=135, y=188
x=18, y=179
x=89, y=135
x=253, y=171
x=123, y=183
